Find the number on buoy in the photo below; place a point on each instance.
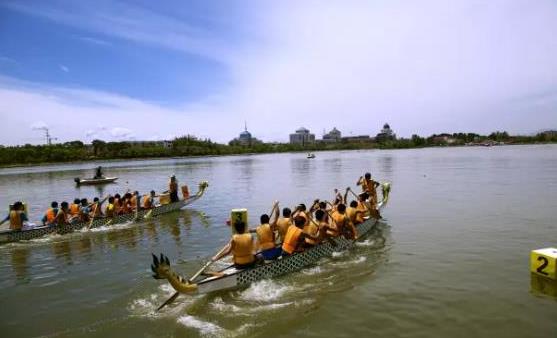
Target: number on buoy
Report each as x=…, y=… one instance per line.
x=543, y=262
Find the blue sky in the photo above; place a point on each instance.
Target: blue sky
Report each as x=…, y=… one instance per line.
x=119, y=70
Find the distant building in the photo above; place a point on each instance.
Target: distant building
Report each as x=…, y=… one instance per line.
x=245, y=138
x=332, y=136
x=443, y=139
x=357, y=139
x=302, y=136
x=386, y=134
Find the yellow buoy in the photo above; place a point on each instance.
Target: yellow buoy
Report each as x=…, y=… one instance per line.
x=238, y=215
x=543, y=262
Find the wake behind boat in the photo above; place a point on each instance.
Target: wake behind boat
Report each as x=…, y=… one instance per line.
x=9, y=236
x=233, y=277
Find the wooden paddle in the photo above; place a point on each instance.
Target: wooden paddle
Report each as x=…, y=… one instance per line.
x=95, y=210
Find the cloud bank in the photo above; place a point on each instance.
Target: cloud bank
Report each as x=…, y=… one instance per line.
x=425, y=67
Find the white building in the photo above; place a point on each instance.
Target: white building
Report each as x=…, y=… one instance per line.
x=302, y=136
x=332, y=136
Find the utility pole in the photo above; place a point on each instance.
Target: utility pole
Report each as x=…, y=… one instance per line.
x=49, y=138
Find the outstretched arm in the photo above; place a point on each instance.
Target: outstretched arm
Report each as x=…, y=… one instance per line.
x=227, y=250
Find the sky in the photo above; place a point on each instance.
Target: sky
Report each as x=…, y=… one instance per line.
x=144, y=70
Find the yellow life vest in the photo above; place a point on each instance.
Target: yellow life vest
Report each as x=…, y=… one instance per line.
x=110, y=209
x=283, y=224
x=242, y=248
x=291, y=239
x=363, y=210
x=351, y=213
x=312, y=230
x=265, y=237
x=15, y=220
x=147, y=202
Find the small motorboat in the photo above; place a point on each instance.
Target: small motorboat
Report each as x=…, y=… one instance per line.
x=310, y=155
x=93, y=181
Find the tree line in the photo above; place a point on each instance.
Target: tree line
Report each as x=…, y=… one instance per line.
x=192, y=146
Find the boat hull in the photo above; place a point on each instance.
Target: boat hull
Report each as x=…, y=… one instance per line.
x=93, y=181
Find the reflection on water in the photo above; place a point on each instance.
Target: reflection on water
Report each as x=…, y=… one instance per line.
x=456, y=247
x=543, y=285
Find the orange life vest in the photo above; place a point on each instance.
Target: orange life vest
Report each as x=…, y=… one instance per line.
x=351, y=213
x=147, y=202
x=74, y=209
x=283, y=224
x=50, y=215
x=242, y=248
x=291, y=239
x=265, y=237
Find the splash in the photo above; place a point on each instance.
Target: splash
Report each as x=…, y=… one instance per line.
x=366, y=243
x=264, y=290
x=205, y=328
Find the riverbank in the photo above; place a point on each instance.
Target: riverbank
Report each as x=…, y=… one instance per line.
x=190, y=146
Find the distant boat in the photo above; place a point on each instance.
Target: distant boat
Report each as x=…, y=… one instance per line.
x=93, y=181
x=310, y=155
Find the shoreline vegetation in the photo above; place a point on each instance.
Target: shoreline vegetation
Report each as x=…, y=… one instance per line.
x=191, y=146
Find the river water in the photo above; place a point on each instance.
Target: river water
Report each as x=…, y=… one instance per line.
x=451, y=257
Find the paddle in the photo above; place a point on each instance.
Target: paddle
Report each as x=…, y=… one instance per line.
x=176, y=294
x=95, y=210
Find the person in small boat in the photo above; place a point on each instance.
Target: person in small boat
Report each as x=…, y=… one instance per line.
x=295, y=237
x=241, y=246
x=110, y=208
x=149, y=200
x=50, y=214
x=369, y=186
x=62, y=217
x=16, y=216
x=283, y=223
x=98, y=173
x=266, y=235
x=343, y=224
x=173, y=189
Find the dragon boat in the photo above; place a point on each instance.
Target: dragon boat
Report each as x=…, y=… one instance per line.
x=231, y=277
x=9, y=236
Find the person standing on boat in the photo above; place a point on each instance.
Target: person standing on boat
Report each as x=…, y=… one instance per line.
x=241, y=247
x=50, y=214
x=266, y=235
x=16, y=216
x=369, y=186
x=173, y=189
x=99, y=173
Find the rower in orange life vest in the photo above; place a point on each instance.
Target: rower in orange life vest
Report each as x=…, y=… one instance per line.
x=96, y=210
x=241, y=247
x=295, y=237
x=16, y=216
x=343, y=224
x=149, y=200
x=50, y=215
x=266, y=235
x=369, y=186
x=62, y=215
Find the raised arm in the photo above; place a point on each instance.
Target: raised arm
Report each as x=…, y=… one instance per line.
x=274, y=215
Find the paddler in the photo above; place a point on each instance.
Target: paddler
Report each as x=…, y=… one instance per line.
x=96, y=210
x=149, y=200
x=295, y=237
x=241, y=247
x=16, y=216
x=50, y=214
x=75, y=208
x=369, y=186
x=284, y=223
x=135, y=200
x=110, y=208
x=62, y=215
x=266, y=235
x=343, y=224
x=173, y=189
